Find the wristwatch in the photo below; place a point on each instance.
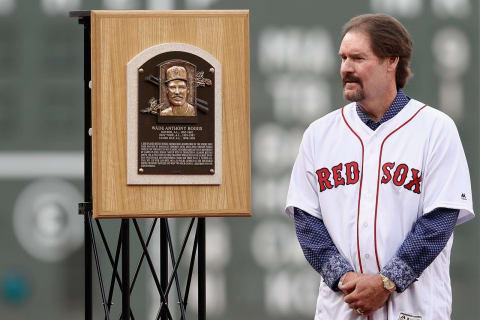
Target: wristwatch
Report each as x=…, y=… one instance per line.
x=388, y=284
x=340, y=282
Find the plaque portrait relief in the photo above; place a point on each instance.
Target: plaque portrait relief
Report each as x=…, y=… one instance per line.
x=177, y=93
x=174, y=116
x=178, y=82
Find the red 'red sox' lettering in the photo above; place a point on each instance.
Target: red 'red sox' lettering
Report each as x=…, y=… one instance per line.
x=352, y=172
x=323, y=175
x=400, y=176
x=337, y=175
x=340, y=177
x=348, y=173
x=415, y=183
x=386, y=171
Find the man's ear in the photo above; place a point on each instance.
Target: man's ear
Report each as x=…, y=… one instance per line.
x=392, y=63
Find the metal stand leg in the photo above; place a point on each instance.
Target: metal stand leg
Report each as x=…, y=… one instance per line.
x=88, y=269
x=125, y=270
x=163, y=261
x=202, y=290
x=85, y=20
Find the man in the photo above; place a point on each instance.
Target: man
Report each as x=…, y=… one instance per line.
x=378, y=187
x=177, y=92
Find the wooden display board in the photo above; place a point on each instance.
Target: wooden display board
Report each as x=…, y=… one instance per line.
x=119, y=36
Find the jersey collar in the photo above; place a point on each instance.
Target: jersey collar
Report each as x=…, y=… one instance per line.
x=366, y=133
x=397, y=105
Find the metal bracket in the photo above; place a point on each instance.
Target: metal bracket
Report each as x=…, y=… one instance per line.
x=85, y=208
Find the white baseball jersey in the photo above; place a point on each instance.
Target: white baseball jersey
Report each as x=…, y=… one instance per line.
x=369, y=187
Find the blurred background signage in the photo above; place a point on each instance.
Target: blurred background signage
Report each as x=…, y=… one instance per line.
x=255, y=268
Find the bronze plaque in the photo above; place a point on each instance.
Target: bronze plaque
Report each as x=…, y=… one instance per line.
x=176, y=127
x=176, y=115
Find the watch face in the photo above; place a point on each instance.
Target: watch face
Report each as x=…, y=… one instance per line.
x=389, y=285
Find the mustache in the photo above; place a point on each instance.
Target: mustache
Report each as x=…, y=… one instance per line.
x=350, y=78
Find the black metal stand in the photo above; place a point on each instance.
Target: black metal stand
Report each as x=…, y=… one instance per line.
x=164, y=284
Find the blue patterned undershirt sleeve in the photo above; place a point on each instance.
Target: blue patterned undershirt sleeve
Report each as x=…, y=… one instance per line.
x=319, y=249
x=424, y=242
x=422, y=245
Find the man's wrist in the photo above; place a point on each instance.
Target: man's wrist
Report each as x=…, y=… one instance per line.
x=388, y=284
x=400, y=273
x=342, y=279
x=334, y=269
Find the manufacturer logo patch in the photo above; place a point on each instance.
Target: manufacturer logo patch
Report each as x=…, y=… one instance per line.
x=404, y=316
x=464, y=197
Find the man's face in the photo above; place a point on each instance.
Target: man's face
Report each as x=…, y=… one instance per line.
x=177, y=92
x=364, y=75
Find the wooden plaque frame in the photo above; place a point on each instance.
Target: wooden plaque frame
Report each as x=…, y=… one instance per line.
x=117, y=37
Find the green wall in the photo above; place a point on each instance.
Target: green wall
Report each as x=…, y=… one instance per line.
x=256, y=269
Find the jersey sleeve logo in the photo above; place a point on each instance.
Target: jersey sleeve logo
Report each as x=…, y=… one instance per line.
x=398, y=176
x=339, y=175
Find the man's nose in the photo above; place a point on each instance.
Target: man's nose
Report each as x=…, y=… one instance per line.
x=346, y=67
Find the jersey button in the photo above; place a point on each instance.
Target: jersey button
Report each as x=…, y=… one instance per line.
x=367, y=256
x=365, y=224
